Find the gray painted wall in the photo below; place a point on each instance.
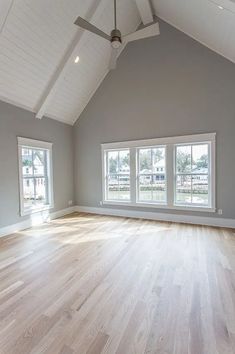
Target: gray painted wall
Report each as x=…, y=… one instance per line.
x=165, y=86
x=18, y=122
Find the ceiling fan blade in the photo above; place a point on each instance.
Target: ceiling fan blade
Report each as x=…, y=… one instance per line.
x=113, y=58
x=149, y=31
x=89, y=27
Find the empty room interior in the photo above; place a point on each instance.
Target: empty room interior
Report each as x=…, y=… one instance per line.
x=117, y=177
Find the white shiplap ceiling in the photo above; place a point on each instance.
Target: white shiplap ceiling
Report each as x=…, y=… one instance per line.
x=39, y=42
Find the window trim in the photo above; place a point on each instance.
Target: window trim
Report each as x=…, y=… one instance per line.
x=170, y=143
x=105, y=180
x=138, y=174
x=210, y=174
x=35, y=144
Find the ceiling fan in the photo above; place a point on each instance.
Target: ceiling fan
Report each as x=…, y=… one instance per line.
x=115, y=38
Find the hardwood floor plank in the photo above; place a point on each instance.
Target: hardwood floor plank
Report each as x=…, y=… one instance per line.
x=98, y=284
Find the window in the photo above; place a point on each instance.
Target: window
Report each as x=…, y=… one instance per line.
x=151, y=177
x=192, y=174
x=118, y=175
x=35, y=174
x=176, y=172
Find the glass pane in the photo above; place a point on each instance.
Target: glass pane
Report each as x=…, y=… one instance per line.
x=28, y=190
x=40, y=191
x=159, y=188
x=113, y=187
x=39, y=162
x=200, y=193
x=145, y=163
x=124, y=187
x=112, y=162
x=27, y=162
x=158, y=160
x=183, y=159
x=183, y=189
x=124, y=161
x=200, y=158
x=145, y=188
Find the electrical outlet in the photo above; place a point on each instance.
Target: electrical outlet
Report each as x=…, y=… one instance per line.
x=220, y=211
x=70, y=202
x=101, y=203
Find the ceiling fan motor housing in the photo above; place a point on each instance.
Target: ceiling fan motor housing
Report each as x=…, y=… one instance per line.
x=116, y=38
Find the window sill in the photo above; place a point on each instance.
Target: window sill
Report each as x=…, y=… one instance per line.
x=35, y=211
x=161, y=206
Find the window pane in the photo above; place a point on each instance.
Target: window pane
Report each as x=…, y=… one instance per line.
x=39, y=162
x=40, y=191
x=200, y=193
x=183, y=189
x=158, y=160
x=145, y=188
x=28, y=190
x=183, y=159
x=200, y=158
x=159, y=188
x=124, y=161
x=27, y=162
x=145, y=162
x=113, y=187
x=35, y=181
x=112, y=162
x=124, y=187
x=118, y=172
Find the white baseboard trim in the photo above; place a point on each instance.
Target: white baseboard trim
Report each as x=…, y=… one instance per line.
x=45, y=216
x=180, y=218
x=35, y=219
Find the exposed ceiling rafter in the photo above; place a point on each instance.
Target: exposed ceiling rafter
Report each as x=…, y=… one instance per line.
x=145, y=11
x=42, y=106
x=5, y=8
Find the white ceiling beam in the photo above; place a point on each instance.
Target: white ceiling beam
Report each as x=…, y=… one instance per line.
x=145, y=11
x=69, y=56
x=5, y=8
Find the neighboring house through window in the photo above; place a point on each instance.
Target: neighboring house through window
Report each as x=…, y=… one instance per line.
x=176, y=172
x=35, y=175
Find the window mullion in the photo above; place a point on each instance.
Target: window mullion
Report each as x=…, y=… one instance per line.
x=191, y=174
x=34, y=180
x=170, y=174
x=133, y=175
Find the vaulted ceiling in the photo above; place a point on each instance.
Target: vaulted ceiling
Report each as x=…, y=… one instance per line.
x=39, y=43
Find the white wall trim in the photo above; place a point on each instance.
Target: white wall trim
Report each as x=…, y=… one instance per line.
x=182, y=139
x=35, y=219
x=44, y=217
x=188, y=219
x=27, y=142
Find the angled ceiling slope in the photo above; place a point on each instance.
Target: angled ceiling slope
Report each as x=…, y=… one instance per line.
x=39, y=43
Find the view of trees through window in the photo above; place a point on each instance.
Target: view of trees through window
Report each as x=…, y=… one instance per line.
x=152, y=174
x=192, y=174
x=169, y=173
x=35, y=177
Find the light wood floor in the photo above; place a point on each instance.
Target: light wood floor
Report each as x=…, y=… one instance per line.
x=96, y=284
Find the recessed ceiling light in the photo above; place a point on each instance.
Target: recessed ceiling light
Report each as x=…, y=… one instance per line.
x=76, y=59
x=220, y=7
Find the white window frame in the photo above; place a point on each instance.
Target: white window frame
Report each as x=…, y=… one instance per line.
x=105, y=163
x=35, y=144
x=169, y=143
x=139, y=174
